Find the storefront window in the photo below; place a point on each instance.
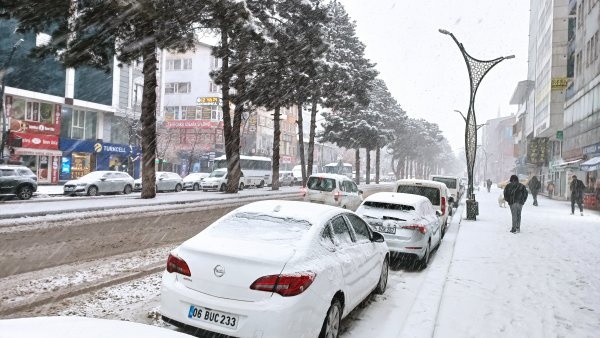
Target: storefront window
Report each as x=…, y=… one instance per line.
x=18, y=109
x=118, y=163
x=80, y=164
x=30, y=161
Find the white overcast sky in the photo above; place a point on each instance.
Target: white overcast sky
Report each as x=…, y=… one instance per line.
x=425, y=71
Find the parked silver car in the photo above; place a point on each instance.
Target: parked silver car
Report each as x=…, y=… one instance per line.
x=193, y=181
x=165, y=181
x=100, y=182
x=409, y=223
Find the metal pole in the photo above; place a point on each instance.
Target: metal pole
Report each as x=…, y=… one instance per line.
x=4, y=115
x=477, y=69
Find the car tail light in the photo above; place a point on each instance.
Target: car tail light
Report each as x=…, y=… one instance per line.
x=176, y=264
x=337, y=195
x=422, y=229
x=443, y=205
x=285, y=285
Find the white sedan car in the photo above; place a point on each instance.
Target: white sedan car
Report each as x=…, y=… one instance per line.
x=409, y=223
x=165, y=181
x=193, y=181
x=274, y=269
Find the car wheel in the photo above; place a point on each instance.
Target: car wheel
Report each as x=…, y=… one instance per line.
x=127, y=190
x=25, y=192
x=444, y=226
x=425, y=260
x=178, y=188
x=196, y=187
x=156, y=189
x=383, y=278
x=222, y=187
x=331, y=325
x=241, y=186
x=261, y=185
x=92, y=191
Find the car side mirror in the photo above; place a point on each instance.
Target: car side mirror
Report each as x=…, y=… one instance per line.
x=102, y=179
x=160, y=178
x=438, y=213
x=377, y=237
x=360, y=192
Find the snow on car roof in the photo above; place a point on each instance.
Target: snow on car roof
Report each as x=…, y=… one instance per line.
x=422, y=182
x=311, y=212
x=396, y=198
x=336, y=176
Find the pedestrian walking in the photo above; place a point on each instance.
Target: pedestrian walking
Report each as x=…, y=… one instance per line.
x=488, y=184
x=515, y=194
x=577, y=187
x=534, y=187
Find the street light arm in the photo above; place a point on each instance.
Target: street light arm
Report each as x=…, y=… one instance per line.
x=461, y=114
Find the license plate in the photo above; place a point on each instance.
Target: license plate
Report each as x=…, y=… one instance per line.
x=385, y=229
x=219, y=318
x=69, y=188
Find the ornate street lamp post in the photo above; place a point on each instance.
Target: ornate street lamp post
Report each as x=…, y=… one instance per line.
x=477, y=70
x=4, y=114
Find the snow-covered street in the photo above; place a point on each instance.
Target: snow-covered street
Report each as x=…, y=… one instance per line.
x=482, y=281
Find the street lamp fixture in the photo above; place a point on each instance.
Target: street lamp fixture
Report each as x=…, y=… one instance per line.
x=477, y=69
x=4, y=114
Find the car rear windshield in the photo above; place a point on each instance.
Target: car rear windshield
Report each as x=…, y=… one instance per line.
x=321, y=183
x=433, y=194
x=449, y=182
x=259, y=226
x=388, y=206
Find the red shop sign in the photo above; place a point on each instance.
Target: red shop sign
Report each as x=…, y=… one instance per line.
x=37, y=141
x=34, y=127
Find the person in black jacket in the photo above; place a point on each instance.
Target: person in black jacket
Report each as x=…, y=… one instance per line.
x=534, y=187
x=515, y=194
x=577, y=187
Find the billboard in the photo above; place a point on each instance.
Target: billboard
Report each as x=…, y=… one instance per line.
x=537, y=151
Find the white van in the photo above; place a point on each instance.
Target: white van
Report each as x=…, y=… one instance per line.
x=454, y=187
x=217, y=180
x=436, y=192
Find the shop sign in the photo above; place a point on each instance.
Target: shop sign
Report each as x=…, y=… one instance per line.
x=34, y=127
x=193, y=124
x=537, y=151
x=36, y=141
x=559, y=135
x=559, y=83
x=594, y=148
x=208, y=101
x=55, y=169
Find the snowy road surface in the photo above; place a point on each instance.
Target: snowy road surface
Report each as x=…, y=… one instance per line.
x=483, y=281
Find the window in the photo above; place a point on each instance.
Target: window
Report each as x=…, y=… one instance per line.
x=187, y=63
x=360, y=228
x=215, y=113
x=179, y=64
x=171, y=112
x=214, y=62
x=33, y=111
x=213, y=87
x=177, y=87
x=341, y=233
x=189, y=112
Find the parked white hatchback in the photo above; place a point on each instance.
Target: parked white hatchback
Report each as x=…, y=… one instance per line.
x=274, y=269
x=409, y=223
x=332, y=189
x=217, y=180
x=193, y=181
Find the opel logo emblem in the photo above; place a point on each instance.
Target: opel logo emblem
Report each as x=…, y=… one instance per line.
x=219, y=271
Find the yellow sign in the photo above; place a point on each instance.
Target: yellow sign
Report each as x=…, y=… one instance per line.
x=98, y=147
x=208, y=101
x=559, y=83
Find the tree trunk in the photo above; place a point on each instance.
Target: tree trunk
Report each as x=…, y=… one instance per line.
x=301, y=143
x=377, y=163
x=368, y=166
x=148, y=120
x=311, y=137
x=276, y=137
x=357, y=164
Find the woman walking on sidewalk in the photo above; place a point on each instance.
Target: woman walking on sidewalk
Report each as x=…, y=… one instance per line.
x=577, y=188
x=515, y=194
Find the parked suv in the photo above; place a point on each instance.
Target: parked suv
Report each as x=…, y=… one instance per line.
x=436, y=192
x=17, y=180
x=333, y=189
x=454, y=187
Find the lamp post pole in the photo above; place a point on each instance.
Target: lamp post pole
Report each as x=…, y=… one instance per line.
x=4, y=115
x=477, y=69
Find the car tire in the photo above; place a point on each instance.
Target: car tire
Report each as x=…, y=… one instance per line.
x=156, y=189
x=423, y=262
x=128, y=189
x=331, y=324
x=383, y=277
x=25, y=192
x=261, y=185
x=196, y=187
x=241, y=186
x=178, y=188
x=92, y=191
x=223, y=187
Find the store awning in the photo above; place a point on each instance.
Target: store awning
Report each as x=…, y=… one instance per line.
x=33, y=151
x=568, y=163
x=591, y=164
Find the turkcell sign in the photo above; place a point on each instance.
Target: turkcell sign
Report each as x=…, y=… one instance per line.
x=114, y=149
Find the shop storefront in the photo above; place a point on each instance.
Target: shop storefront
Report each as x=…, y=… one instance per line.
x=591, y=167
x=34, y=128
x=80, y=157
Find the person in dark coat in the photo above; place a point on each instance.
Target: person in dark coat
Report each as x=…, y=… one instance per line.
x=515, y=194
x=577, y=187
x=488, y=184
x=534, y=187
